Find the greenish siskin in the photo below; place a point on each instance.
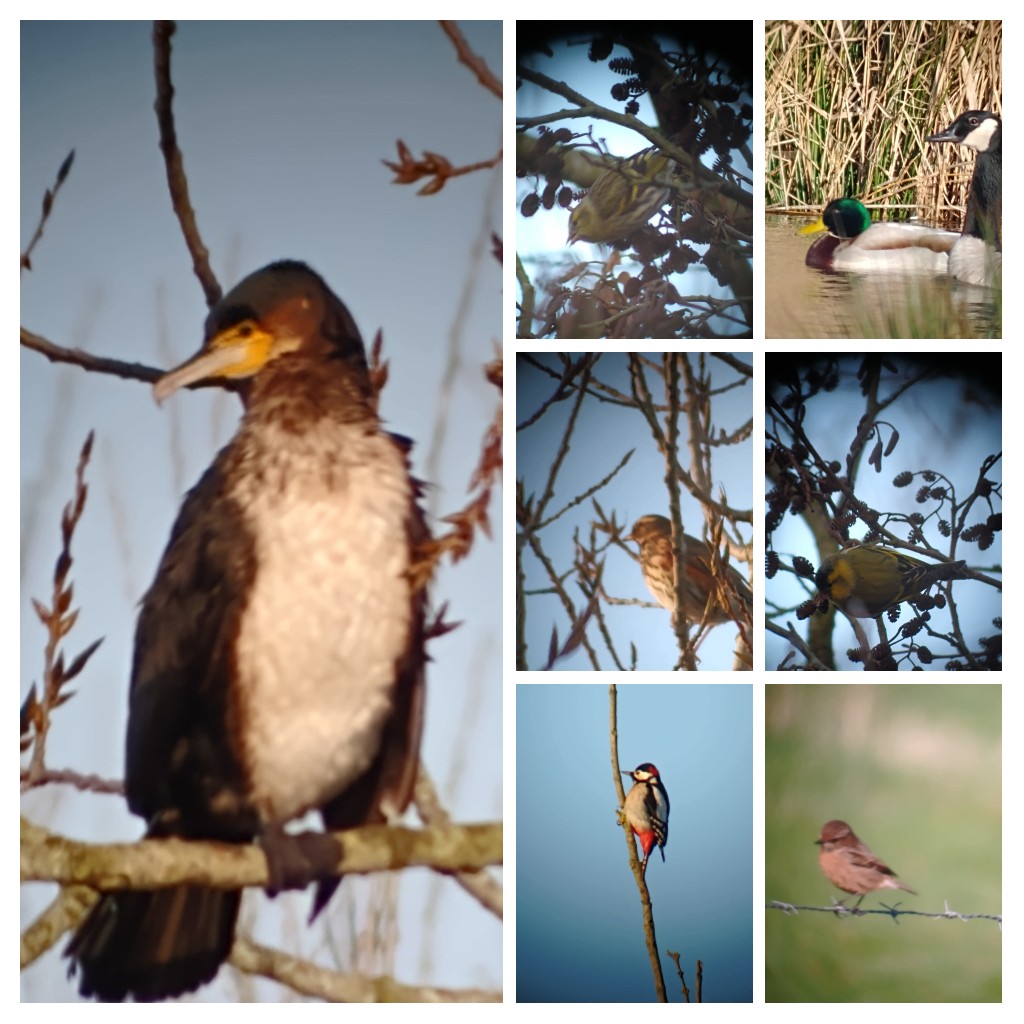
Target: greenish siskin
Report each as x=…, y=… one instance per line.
x=868, y=580
x=622, y=200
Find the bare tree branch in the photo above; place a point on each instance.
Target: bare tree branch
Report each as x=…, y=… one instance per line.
x=163, y=863
x=174, y=162
x=323, y=983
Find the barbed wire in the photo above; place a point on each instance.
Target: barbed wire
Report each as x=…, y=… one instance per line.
x=894, y=912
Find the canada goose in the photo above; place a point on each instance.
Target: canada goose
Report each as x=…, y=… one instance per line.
x=977, y=256
x=854, y=243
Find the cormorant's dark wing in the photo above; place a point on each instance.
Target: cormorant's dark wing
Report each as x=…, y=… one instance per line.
x=182, y=771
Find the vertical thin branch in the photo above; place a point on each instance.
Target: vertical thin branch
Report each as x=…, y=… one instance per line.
x=177, y=182
x=687, y=657
x=613, y=725
x=634, y=860
x=698, y=411
x=520, y=605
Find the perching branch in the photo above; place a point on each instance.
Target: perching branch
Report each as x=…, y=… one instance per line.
x=163, y=863
x=634, y=860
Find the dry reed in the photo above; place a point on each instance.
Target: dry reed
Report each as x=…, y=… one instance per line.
x=848, y=105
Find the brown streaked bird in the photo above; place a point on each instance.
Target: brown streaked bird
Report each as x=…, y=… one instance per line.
x=654, y=535
x=278, y=662
x=849, y=865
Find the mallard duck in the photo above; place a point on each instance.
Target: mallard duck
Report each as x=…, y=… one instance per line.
x=977, y=256
x=854, y=243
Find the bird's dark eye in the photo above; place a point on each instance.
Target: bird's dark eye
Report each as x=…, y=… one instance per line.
x=245, y=330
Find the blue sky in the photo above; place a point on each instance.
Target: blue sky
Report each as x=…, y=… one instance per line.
x=579, y=932
x=283, y=128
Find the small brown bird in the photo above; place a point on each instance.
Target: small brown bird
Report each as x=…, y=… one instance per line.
x=654, y=535
x=849, y=865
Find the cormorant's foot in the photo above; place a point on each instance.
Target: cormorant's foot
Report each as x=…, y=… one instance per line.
x=293, y=861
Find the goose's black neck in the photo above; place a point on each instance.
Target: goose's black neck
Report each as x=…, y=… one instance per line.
x=984, y=217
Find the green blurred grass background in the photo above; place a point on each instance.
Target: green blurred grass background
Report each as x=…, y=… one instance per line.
x=916, y=772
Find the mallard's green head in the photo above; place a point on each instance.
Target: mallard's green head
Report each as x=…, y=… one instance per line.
x=844, y=218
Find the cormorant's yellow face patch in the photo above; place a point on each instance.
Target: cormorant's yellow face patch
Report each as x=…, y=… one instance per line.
x=253, y=345
x=241, y=350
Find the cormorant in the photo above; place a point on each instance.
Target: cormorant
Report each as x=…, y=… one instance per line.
x=278, y=662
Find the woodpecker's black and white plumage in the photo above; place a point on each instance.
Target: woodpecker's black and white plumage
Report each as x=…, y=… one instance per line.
x=976, y=257
x=279, y=656
x=646, y=809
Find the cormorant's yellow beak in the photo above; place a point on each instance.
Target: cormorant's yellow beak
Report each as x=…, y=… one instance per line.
x=238, y=351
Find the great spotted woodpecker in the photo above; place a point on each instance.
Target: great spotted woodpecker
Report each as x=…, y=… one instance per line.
x=646, y=809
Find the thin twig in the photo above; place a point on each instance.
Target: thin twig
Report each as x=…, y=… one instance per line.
x=49, y=198
x=466, y=56
x=174, y=163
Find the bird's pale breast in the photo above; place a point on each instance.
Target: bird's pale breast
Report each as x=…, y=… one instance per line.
x=329, y=614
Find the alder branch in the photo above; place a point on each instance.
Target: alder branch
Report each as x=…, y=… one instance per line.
x=587, y=108
x=790, y=634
